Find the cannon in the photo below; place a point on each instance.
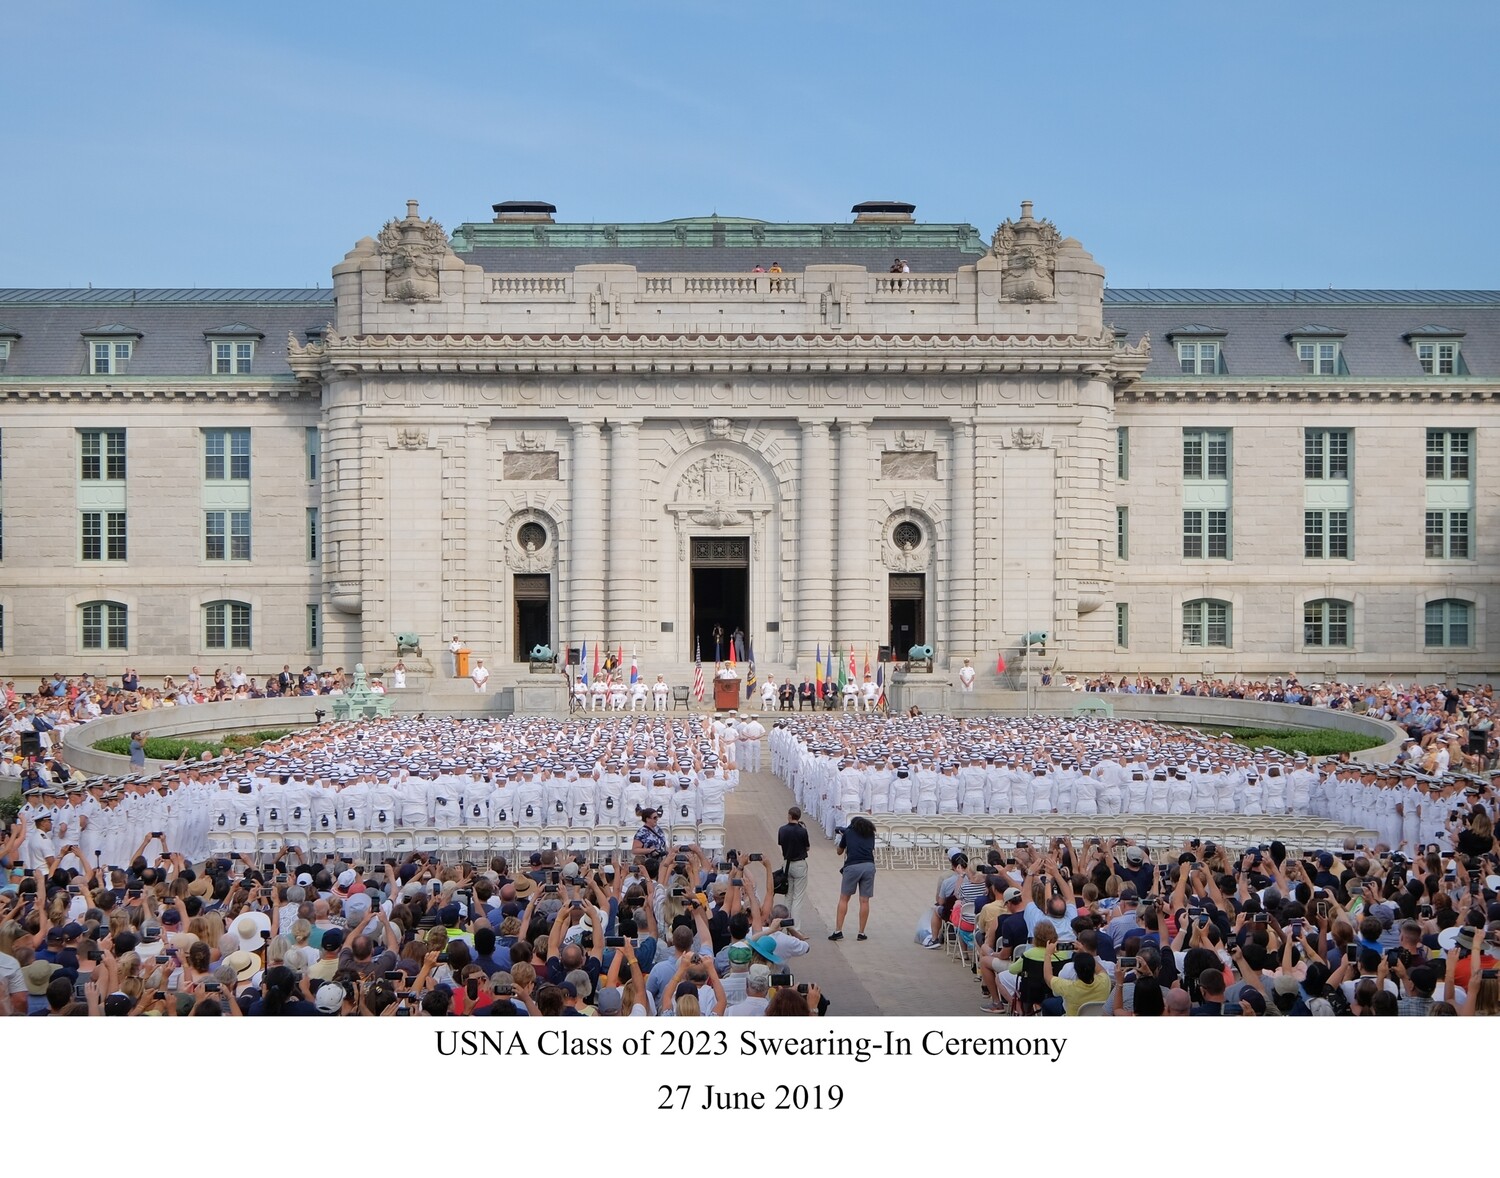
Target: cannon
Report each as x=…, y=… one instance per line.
x=541, y=653
x=408, y=642
x=919, y=652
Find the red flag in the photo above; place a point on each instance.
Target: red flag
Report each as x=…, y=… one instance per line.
x=1000, y=663
x=596, y=660
x=620, y=657
x=853, y=673
x=867, y=662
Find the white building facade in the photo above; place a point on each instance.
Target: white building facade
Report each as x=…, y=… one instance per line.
x=654, y=437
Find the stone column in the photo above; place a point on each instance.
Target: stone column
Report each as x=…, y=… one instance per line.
x=814, y=542
x=853, y=624
x=625, y=541
x=961, y=553
x=585, y=559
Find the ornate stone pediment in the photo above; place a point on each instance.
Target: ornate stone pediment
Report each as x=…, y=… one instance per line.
x=1024, y=437
x=413, y=250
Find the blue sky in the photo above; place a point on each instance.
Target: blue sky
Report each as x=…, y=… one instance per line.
x=1186, y=144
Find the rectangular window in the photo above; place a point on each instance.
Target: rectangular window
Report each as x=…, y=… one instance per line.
x=1122, y=453
x=231, y=358
x=102, y=535
x=1325, y=454
x=312, y=533
x=1198, y=359
x=1325, y=624
x=314, y=634
x=101, y=454
x=1205, y=623
x=1122, y=624
x=1205, y=454
x=1448, y=452
x=1122, y=533
x=4, y=354
x=1205, y=534
x=226, y=454
x=1319, y=359
x=1447, y=623
x=226, y=625
x=226, y=535
x=109, y=358
x=1439, y=359
x=103, y=625
x=312, y=443
x=1447, y=535
x=1325, y=535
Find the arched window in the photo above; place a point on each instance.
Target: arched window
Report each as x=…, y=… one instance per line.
x=1325, y=623
x=1448, y=622
x=1206, y=623
x=103, y=625
x=226, y=625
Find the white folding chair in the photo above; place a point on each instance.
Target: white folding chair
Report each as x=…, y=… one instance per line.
x=348, y=844
x=606, y=840
x=528, y=840
x=320, y=846
x=425, y=840
x=451, y=844
x=555, y=837
x=220, y=844
x=245, y=842
x=400, y=844
x=711, y=837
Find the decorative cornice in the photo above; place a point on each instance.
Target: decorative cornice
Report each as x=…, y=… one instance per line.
x=151, y=388
x=1313, y=390
x=566, y=352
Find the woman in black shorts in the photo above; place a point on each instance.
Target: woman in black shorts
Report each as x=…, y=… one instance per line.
x=856, y=843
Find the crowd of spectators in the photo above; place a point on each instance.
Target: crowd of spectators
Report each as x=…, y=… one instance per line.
x=1110, y=928
x=561, y=937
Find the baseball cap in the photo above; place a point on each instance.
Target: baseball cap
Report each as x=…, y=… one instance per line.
x=329, y=998
x=1012, y=895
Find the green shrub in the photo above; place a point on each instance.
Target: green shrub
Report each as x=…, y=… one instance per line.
x=1317, y=742
x=169, y=748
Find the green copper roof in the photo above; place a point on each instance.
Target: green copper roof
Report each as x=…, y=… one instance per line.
x=716, y=232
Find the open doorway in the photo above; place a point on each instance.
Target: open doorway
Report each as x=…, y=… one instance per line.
x=720, y=595
x=533, y=595
x=908, y=612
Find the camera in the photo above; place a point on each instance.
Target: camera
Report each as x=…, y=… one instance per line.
x=788, y=923
x=781, y=979
x=614, y=942
x=1125, y=963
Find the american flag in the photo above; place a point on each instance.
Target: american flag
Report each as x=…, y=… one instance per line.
x=698, y=672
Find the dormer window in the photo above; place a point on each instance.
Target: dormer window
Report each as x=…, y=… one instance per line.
x=1438, y=351
x=1200, y=349
x=1320, y=350
x=8, y=338
x=110, y=348
x=231, y=349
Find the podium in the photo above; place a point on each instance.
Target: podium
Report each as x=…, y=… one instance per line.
x=461, y=663
x=727, y=694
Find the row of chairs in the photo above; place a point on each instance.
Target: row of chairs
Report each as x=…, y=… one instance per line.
x=454, y=844
x=924, y=843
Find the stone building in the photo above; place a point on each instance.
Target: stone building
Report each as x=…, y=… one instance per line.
x=876, y=433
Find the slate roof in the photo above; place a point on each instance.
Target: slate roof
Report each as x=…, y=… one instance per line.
x=52, y=323
x=173, y=324
x=1257, y=322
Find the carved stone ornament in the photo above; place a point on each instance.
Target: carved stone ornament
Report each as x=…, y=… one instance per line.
x=413, y=250
x=409, y=438
x=718, y=479
x=1024, y=438
x=898, y=552
x=1028, y=251
x=522, y=552
x=718, y=427
x=908, y=439
x=529, y=439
